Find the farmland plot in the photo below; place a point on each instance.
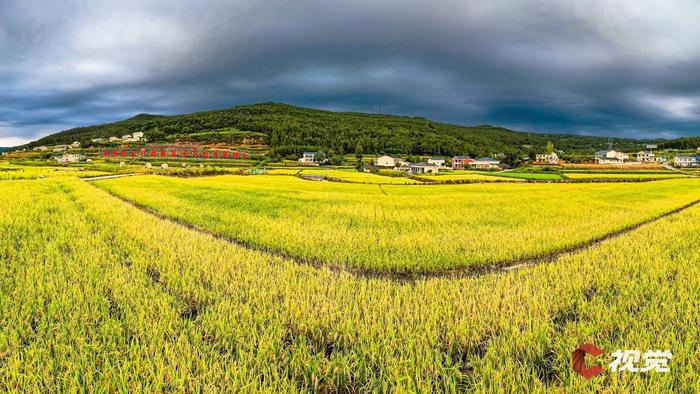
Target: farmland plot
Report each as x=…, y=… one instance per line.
x=629, y=175
x=96, y=295
x=405, y=228
x=9, y=172
x=359, y=177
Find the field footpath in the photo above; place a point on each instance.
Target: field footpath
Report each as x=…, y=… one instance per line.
x=96, y=178
x=465, y=272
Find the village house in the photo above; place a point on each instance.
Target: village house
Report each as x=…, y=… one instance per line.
x=40, y=148
x=308, y=158
x=424, y=168
x=114, y=139
x=384, y=161
x=610, y=157
x=485, y=163
x=400, y=162
x=389, y=161
x=404, y=168
x=75, y=144
x=686, y=161
x=60, y=149
x=137, y=136
x=69, y=158
x=438, y=161
x=460, y=162
x=97, y=139
x=547, y=158
x=646, y=157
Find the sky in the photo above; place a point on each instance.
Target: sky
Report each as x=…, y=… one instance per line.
x=599, y=67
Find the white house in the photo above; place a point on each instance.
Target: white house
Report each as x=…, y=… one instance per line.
x=611, y=157
x=385, y=161
x=646, y=157
x=137, y=135
x=404, y=168
x=60, y=149
x=40, y=148
x=308, y=158
x=485, y=163
x=69, y=158
x=548, y=158
x=424, y=168
x=438, y=161
x=75, y=144
x=400, y=162
x=686, y=161
x=97, y=139
x=113, y=139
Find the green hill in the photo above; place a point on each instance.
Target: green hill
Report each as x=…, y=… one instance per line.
x=289, y=130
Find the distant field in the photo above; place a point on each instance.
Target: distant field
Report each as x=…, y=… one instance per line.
x=10, y=172
x=447, y=177
x=284, y=171
x=404, y=228
x=528, y=175
x=360, y=177
x=492, y=176
x=628, y=175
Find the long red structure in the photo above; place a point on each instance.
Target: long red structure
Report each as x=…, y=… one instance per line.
x=175, y=152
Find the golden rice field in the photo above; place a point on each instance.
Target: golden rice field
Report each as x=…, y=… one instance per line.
x=98, y=296
x=10, y=171
x=283, y=171
x=476, y=177
x=393, y=228
x=360, y=177
x=628, y=175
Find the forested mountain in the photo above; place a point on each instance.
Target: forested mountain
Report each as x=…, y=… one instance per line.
x=686, y=143
x=289, y=130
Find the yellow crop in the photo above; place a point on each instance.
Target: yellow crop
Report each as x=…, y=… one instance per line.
x=98, y=296
x=405, y=228
x=583, y=175
x=359, y=177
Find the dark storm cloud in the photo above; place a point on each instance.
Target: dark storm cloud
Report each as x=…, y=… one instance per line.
x=599, y=67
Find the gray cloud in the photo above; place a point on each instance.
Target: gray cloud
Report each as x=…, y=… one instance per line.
x=601, y=67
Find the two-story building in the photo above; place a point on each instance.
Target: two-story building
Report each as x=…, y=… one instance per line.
x=438, y=161
x=547, y=158
x=485, y=163
x=461, y=162
x=308, y=158
x=611, y=157
x=646, y=157
x=686, y=161
x=389, y=161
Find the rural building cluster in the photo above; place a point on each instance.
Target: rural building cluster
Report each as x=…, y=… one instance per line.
x=137, y=136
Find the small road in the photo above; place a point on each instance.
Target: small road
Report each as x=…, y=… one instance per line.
x=96, y=178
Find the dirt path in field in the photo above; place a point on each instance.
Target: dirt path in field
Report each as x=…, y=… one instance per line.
x=466, y=272
x=95, y=178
